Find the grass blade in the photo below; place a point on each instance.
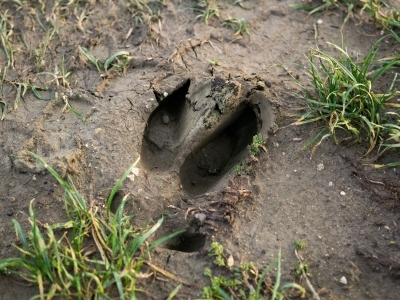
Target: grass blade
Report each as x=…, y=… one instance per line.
x=119, y=285
x=3, y=110
x=18, y=96
x=300, y=6
x=11, y=262
x=118, y=185
x=278, y=277
x=37, y=94
x=69, y=107
x=223, y=294
x=263, y=274
x=174, y=292
x=2, y=80
x=139, y=239
x=90, y=57
x=293, y=285
x=113, y=57
x=20, y=235
x=166, y=273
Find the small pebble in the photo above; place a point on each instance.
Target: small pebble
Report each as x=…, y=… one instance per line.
x=342, y=193
x=319, y=21
x=165, y=119
x=51, y=190
x=201, y=217
x=343, y=280
x=267, y=83
x=320, y=167
x=230, y=261
x=98, y=131
x=260, y=85
x=263, y=251
x=10, y=212
x=165, y=94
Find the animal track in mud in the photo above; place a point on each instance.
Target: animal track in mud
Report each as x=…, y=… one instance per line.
x=187, y=242
x=212, y=159
x=204, y=131
x=164, y=129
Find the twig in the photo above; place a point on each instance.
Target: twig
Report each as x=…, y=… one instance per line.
x=377, y=182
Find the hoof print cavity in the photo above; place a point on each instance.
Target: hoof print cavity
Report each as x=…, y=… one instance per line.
x=187, y=242
x=208, y=163
x=163, y=130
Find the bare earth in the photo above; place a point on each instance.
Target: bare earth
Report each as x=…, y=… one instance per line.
x=191, y=122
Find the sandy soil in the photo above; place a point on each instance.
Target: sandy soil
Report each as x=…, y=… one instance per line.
x=191, y=122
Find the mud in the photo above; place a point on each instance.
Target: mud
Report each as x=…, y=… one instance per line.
x=191, y=122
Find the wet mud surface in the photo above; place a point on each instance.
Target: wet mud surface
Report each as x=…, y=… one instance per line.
x=191, y=122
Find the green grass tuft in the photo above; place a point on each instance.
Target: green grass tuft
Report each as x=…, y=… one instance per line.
x=383, y=14
x=238, y=25
x=244, y=281
x=57, y=258
x=206, y=9
x=342, y=95
x=257, y=144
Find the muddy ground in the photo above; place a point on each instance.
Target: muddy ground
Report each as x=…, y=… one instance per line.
x=191, y=122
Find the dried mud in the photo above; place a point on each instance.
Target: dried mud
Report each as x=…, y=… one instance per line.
x=191, y=122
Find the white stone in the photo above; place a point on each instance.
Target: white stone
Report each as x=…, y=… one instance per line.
x=135, y=173
x=343, y=280
x=230, y=261
x=201, y=217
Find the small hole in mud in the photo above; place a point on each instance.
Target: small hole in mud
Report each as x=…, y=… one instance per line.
x=187, y=242
x=207, y=164
x=163, y=130
x=116, y=201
